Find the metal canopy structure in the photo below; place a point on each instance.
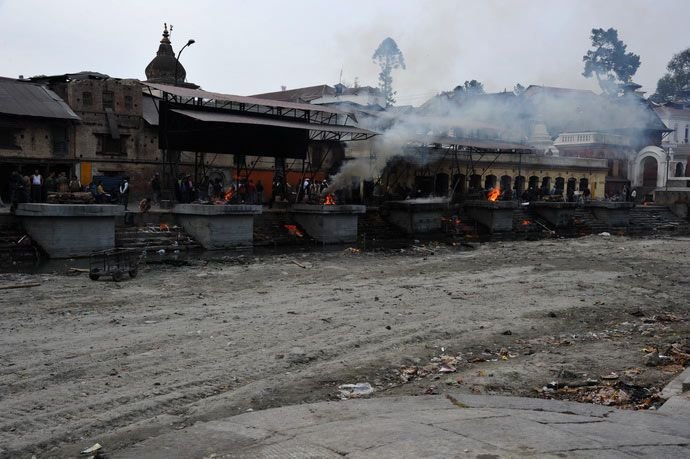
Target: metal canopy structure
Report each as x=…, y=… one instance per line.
x=203, y=121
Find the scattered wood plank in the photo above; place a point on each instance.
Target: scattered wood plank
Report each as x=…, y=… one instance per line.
x=26, y=285
x=299, y=264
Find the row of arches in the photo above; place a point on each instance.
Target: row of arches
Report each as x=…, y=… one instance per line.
x=546, y=185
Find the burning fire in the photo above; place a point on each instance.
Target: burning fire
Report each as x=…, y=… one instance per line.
x=294, y=231
x=493, y=194
x=330, y=200
x=229, y=194
x=526, y=222
x=164, y=227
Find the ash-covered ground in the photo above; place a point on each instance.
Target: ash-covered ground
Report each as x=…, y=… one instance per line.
x=597, y=319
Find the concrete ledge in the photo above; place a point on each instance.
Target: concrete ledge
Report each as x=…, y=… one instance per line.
x=68, y=210
x=556, y=213
x=333, y=224
x=419, y=204
x=614, y=214
x=70, y=230
x=610, y=205
x=416, y=216
x=323, y=209
x=218, y=227
x=494, y=215
x=211, y=210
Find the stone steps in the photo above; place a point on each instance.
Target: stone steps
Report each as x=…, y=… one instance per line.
x=152, y=238
x=654, y=219
x=12, y=251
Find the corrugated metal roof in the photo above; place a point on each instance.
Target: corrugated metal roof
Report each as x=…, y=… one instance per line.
x=186, y=92
x=484, y=144
x=215, y=117
x=305, y=95
x=26, y=99
x=149, y=110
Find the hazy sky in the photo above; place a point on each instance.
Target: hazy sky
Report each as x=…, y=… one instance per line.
x=248, y=47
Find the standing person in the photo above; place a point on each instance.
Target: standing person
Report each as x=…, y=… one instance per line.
x=51, y=183
x=633, y=196
x=202, y=190
x=211, y=190
x=189, y=189
x=100, y=193
x=178, y=188
x=124, y=192
x=74, y=184
x=260, y=192
x=36, y=187
x=156, y=188
x=62, y=183
x=251, y=192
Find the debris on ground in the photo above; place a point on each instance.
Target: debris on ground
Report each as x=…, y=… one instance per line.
x=619, y=394
x=357, y=390
x=93, y=452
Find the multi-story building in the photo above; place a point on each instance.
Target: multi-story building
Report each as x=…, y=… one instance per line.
x=38, y=131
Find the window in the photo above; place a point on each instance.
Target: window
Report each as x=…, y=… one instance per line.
x=8, y=139
x=475, y=182
x=128, y=102
x=87, y=99
x=108, y=100
x=107, y=145
x=584, y=184
x=59, y=138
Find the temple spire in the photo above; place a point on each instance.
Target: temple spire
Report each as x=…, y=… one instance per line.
x=166, y=35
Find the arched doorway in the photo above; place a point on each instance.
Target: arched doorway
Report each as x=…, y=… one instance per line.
x=441, y=185
x=650, y=168
x=679, y=170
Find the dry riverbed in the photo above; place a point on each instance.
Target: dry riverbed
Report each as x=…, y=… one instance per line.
x=579, y=319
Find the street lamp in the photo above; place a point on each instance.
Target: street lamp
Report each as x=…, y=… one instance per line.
x=177, y=59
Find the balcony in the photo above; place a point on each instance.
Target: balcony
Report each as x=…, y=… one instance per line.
x=590, y=138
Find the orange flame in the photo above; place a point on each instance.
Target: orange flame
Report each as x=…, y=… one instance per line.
x=164, y=227
x=293, y=230
x=330, y=200
x=493, y=194
x=526, y=222
x=229, y=194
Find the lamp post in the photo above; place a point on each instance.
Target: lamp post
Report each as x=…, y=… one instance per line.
x=177, y=59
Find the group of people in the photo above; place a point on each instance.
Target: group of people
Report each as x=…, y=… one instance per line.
x=312, y=189
x=35, y=187
x=244, y=192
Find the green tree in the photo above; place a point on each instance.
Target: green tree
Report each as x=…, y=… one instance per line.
x=388, y=57
x=677, y=77
x=608, y=61
x=470, y=88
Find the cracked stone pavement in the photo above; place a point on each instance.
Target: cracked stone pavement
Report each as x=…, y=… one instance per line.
x=481, y=427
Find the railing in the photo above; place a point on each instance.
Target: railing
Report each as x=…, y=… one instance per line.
x=588, y=138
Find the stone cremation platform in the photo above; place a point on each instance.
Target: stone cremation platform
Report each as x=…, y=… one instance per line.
x=614, y=214
x=559, y=214
x=496, y=216
x=330, y=224
x=70, y=230
x=218, y=227
x=416, y=216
